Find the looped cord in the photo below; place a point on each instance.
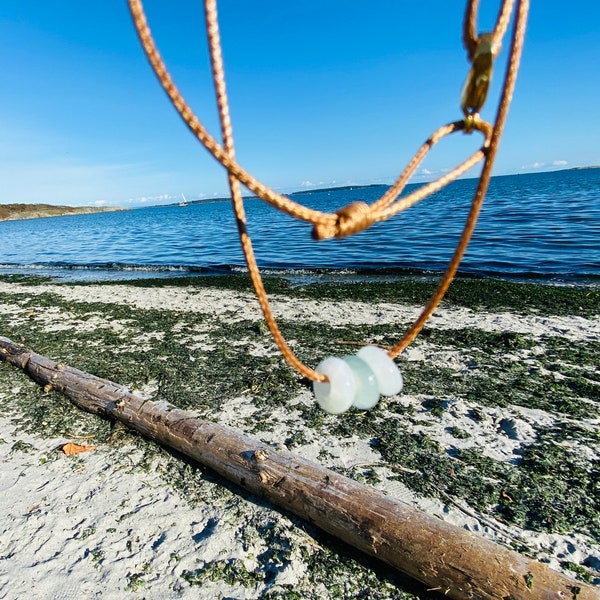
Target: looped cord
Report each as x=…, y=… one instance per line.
x=508, y=87
x=481, y=51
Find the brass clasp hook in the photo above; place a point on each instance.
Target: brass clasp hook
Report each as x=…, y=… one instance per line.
x=480, y=75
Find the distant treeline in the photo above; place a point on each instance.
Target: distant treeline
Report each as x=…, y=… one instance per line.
x=12, y=212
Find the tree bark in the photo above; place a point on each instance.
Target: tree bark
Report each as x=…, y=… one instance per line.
x=446, y=558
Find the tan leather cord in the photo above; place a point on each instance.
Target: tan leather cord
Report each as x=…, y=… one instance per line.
x=277, y=200
x=470, y=25
x=481, y=51
x=210, y=9
x=484, y=179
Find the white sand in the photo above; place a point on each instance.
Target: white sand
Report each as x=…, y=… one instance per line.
x=239, y=306
x=102, y=525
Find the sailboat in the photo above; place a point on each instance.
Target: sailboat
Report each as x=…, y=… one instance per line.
x=184, y=202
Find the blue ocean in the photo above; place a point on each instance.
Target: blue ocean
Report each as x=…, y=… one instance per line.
x=537, y=227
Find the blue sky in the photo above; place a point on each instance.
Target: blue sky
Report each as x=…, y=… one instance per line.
x=322, y=93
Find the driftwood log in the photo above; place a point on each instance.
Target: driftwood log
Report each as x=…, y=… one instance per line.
x=446, y=558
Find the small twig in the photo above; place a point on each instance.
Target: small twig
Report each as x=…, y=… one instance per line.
x=360, y=344
x=78, y=437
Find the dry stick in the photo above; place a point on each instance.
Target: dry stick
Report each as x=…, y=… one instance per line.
x=446, y=558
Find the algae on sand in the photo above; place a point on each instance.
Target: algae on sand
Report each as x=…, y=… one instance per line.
x=549, y=484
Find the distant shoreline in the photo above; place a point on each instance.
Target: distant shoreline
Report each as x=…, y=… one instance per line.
x=313, y=190
x=14, y=212
x=17, y=212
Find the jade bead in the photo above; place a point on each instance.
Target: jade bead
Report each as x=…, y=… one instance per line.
x=367, y=390
x=337, y=395
x=389, y=378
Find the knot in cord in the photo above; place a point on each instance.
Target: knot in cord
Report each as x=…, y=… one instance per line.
x=348, y=220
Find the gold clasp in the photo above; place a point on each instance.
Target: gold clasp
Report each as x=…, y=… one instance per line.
x=480, y=76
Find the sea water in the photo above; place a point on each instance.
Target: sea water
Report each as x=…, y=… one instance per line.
x=543, y=226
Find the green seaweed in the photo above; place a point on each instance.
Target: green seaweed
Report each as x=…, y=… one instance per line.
x=549, y=486
x=231, y=571
x=471, y=292
x=476, y=293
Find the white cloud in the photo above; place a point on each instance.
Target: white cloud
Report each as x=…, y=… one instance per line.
x=307, y=184
x=544, y=165
x=152, y=199
x=38, y=164
x=425, y=171
x=535, y=165
x=57, y=181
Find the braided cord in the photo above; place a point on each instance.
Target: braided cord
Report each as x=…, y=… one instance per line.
x=481, y=51
x=216, y=57
x=484, y=179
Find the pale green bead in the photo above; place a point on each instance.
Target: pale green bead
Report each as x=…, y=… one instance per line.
x=335, y=396
x=389, y=378
x=367, y=390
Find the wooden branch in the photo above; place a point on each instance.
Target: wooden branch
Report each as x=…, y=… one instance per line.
x=446, y=558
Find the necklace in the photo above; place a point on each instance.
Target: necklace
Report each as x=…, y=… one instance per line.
x=359, y=380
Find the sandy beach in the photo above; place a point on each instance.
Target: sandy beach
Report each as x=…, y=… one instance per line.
x=496, y=431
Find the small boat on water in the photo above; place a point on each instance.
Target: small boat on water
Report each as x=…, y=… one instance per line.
x=184, y=202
